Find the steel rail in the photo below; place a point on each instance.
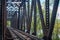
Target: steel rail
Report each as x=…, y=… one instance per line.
x=19, y=35
x=28, y=35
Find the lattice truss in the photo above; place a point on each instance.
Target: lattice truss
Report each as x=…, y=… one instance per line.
x=25, y=9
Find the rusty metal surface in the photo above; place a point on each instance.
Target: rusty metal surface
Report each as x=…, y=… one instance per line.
x=4, y=14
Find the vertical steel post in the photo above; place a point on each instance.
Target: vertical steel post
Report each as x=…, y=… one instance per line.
x=4, y=18
x=27, y=20
x=18, y=24
x=1, y=19
x=47, y=13
x=35, y=17
x=30, y=17
x=47, y=19
x=24, y=13
x=54, y=12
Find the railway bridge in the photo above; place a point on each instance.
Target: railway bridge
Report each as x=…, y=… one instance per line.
x=23, y=17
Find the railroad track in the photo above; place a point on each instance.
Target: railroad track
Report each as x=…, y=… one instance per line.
x=19, y=35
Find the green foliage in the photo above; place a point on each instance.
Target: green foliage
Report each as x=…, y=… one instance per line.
x=8, y=23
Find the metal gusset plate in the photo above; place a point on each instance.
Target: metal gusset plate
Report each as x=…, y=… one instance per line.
x=22, y=2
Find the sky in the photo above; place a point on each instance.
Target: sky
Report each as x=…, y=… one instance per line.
x=58, y=13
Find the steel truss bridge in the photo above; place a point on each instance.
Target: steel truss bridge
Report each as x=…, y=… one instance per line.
x=21, y=18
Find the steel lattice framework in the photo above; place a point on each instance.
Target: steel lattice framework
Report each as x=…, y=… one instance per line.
x=22, y=18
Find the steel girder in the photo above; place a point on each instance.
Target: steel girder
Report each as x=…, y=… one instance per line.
x=53, y=18
x=48, y=28
x=29, y=19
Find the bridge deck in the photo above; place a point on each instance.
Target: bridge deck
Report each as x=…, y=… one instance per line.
x=20, y=35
